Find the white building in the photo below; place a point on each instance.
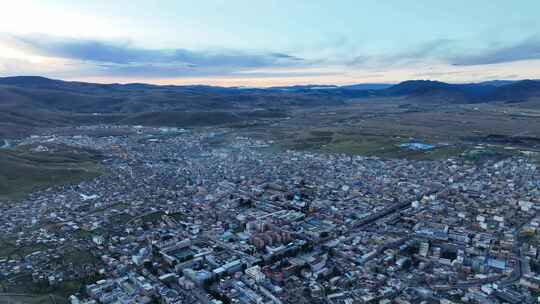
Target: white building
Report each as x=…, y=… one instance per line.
x=98, y=239
x=255, y=273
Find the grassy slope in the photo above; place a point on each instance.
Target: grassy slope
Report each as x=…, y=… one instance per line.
x=22, y=171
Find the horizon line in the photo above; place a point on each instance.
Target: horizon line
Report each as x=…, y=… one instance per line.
x=209, y=84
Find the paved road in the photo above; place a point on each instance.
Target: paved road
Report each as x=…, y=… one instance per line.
x=516, y=250
x=514, y=277
x=394, y=208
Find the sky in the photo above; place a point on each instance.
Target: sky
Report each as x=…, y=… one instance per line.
x=272, y=42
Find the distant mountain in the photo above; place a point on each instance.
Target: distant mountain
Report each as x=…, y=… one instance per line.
x=28, y=102
x=305, y=88
x=416, y=87
x=436, y=91
x=30, y=81
x=497, y=83
x=368, y=86
x=56, y=95
x=516, y=92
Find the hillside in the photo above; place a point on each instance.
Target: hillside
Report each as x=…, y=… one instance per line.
x=517, y=92
x=29, y=102
x=23, y=169
x=441, y=92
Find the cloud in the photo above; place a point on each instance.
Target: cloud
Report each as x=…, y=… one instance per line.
x=123, y=58
x=525, y=50
x=452, y=52
x=427, y=52
x=71, y=58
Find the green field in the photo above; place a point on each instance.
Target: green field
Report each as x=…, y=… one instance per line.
x=29, y=299
x=25, y=290
x=342, y=141
x=9, y=250
x=23, y=171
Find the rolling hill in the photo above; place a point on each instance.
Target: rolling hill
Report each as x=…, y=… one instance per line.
x=24, y=169
x=29, y=102
x=435, y=91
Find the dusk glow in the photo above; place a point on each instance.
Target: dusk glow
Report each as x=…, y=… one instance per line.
x=271, y=42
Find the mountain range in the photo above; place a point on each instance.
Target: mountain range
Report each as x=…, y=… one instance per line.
x=27, y=102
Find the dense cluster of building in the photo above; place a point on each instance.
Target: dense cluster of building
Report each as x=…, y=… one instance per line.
x=205, y=217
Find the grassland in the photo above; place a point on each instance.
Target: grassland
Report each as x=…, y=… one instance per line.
x=29, y=299
x=376, y=127
x=24, y=290
x=23, y=171
x=9, y=250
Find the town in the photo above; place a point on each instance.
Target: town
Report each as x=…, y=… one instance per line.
x=199, y=216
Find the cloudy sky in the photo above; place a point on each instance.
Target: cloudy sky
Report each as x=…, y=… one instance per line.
x=272, y=42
